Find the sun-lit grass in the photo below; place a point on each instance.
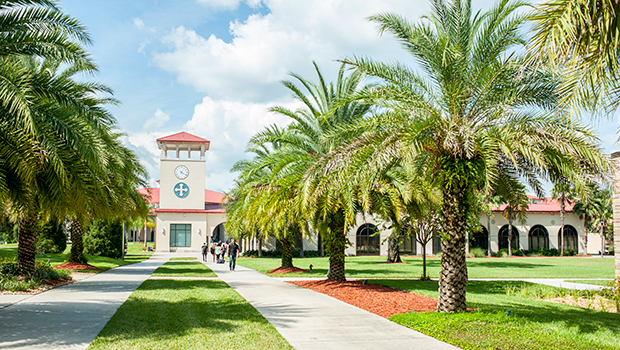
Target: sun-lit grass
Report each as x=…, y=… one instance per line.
x=102, y=262
x=185, y=258
x=374, y=267
x=172, y=314
x=594, y=282
x=138, y=248
x=184, y=269
x=531, y=324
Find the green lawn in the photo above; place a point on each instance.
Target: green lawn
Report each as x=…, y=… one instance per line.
x=532, y=324
x=102, y=262
x=185, y=258
x=184, y=269
x=137, y=247
x=595, y=282
x=172, y=314
x=373, y=267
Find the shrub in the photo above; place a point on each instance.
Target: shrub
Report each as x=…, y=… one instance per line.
x=501, y=253
x=9, y=232
x=570, y=252
x=51, y=238
x=104, y=238
x=8, y=268
x=11, y=281
x=478, y=252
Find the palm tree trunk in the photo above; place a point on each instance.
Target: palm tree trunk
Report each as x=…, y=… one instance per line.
x=489, y=235
x=509, y=237
x=27, y=238
x=260, y=247
x=321, y=248
x=393, y=252
x=562, y=226
x=336, y=242
x=77, y=246
x=287, y=252
x=453, y=276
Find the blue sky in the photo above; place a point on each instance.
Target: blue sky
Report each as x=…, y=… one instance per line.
x=212, y=67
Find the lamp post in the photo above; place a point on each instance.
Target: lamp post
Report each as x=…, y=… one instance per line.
x=123, y=244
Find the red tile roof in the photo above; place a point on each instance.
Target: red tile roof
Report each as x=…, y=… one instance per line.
x=542, y=205
x=183, y=137
x=211, y=197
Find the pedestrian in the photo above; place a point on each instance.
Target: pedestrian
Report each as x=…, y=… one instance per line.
x=204, y=252
x=233, y=253
x=224, y=251
x=213, y=251
x=218, y=251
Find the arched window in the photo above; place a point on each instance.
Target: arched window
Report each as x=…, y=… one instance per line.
x=367, y=241
x=503, y=237
x=570, y=238
x=480, y=239
x=219, y=234
x=408, y=245
x=539, y=237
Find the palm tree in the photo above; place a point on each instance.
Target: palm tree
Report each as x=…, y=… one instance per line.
x=602, y=205
x=304, y=143
x=564, y=193
x=584, y=209
x=580, y=36
x=474, y=116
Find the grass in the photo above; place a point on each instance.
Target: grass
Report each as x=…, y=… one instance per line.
x=532, y=324
x=184, y=269
x=102, y=262
x=185, y=258
x=372, y=267
x=594, y=282
x=172, y=314
x=137, y=247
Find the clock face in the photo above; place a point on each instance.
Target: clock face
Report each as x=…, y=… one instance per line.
x=181, y=172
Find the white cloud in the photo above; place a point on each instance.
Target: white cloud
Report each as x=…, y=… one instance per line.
x=264, y=49
x=157, y=121
x=138, y=23
x=228, y=4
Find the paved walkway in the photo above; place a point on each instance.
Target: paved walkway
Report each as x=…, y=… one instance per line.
x=71, y=316
x=311, y=320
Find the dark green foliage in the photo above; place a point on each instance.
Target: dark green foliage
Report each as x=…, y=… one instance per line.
x=278, y=253
x=10, y=278
x=51, y=238
x=104, y=238
x=570, y=252
x=8, y=232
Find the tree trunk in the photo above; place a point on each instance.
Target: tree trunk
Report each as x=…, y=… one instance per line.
x=509, y=237
x=489, y=235
x=27, y=238
x=562, y=226
x=585, y=229
x=301, y=247
x=453, y=276
x=260, y=247
x=77, y=246
x=393, y=252
x=602, y=238
x=424, y=278
x=336, y=242
x=321, y=245
x=287, y=252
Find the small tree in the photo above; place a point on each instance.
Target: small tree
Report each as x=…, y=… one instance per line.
x=564, y=193
x=425, y=228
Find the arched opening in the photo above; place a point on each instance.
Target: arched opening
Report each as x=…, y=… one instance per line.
x=436, y=245
x=539, y=238
x=503, y=237
x=571, y=238
x=480, y=239
x=367, y=241
x=407, y=245
x=219, y=234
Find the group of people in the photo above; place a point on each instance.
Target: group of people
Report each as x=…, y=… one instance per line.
x=219, y=250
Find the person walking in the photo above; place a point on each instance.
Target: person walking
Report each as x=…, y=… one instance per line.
x=213, y=251
x=204, y=252
x=218, y=250
x=233, y=253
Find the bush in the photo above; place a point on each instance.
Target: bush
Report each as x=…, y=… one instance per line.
x=502, y=253
x=104, y=238
x=570, y=252
x=51, y=238
x=11, y=281
x=9, y=232
x=478, y=252
x=611, y=250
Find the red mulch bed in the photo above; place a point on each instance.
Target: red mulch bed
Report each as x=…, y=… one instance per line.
x=287, y=270
x=380, y=300
x=76, y=266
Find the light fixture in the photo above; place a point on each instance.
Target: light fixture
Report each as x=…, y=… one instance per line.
x=199, y=231
x=163, y=231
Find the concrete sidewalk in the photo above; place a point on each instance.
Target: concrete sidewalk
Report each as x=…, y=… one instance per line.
x=71, y=316
x=311, y=320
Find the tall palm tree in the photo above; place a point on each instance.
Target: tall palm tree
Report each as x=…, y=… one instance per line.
x=472, y=116
x=602, y=205
x=581, y=37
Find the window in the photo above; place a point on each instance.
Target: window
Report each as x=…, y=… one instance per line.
x=436, y=245
x=539, y=237
x=480, y=239
x=503, y=237
x=180, y=235
x=570, y=238
x=366, y=242
x=408, y=245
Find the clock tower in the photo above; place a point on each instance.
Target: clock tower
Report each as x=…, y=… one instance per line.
x=182, y=216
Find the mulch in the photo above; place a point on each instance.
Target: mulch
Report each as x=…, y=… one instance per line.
x=76, y=266
x=288, y=270
x=380, y=300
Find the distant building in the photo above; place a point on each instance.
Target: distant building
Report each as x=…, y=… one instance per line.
x=188, y=215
